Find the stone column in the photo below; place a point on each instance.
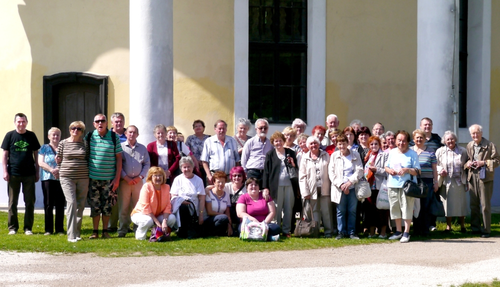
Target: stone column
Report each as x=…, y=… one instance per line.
x=435, y=68
x=151, y=66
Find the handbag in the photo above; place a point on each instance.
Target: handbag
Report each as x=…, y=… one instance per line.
x=436, y=206
x=307, y=227
x=363, y=189
x=157, y=235
x=383, y=197
x=417, y=190
x=253, y=231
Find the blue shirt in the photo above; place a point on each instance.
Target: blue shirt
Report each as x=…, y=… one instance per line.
x=398, y=161
x=50, y=159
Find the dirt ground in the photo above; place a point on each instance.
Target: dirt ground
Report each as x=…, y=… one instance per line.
x=424, y=263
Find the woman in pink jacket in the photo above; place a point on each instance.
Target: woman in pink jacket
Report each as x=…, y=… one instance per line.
x=153, y=207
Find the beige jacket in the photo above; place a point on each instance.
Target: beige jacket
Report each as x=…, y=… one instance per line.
x=443, y=160
x=336, y=173
x=489, y=154
x=307, y=175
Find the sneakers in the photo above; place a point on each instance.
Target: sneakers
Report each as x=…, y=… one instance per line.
x=353, y=236
x=340, y=236
x=78, y=238
x=72, y=240
x=382, y=236
x=121, y=235
x=396, y=236
x=28, y=232
x=12, y=232
x=47, y=233
x=432, y=228
x=405, y=239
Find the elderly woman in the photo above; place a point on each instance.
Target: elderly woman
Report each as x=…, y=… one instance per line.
x=350, y=134
x=235, y=188
x=402, y=163
x=319, y=132
x=383, y=142
x=375, y=174
x=428, y=171
x=390, y=138
x=302, y=143
x=290, y=137
x=72, y=156
x=256, y=208
x=217, y=220
x=164, y=153
x=315, y=184
x=276, y=180
x=483, y=159
x=299, y=125
x=332, y=134
x=187, y=190
x=241, y=136
x=153, y=207
x=451, y=159
x=53, y=195
x=195, y=144
x=183, y=149
x=345, y=170
x=356, y=125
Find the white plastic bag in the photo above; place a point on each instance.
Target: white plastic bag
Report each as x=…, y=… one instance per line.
x=383, y=197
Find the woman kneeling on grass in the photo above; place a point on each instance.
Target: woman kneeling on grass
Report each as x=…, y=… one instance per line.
x=153, y=207
x=257, y=209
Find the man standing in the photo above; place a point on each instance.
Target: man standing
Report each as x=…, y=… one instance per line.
x=105, y=166
x=255, y=150
x=135, y=166
x=118, y=124
x=433, y=141
x=220, y=152
x=378, y=129
x=20, y=167
x=332, y=122
x=483, y=159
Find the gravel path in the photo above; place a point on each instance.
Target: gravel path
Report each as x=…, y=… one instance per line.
x=424, y=263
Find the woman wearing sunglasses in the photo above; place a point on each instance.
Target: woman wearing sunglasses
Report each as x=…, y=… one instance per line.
x=73, y=154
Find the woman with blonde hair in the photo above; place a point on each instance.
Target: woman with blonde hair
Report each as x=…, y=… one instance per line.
x=290, y=136
x=72, y=158
x=153, y=207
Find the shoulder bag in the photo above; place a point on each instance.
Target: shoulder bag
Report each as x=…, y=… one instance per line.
x=417, y=190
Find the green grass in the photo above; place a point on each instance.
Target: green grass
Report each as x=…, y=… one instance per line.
x=495, y=283
x=128, y=246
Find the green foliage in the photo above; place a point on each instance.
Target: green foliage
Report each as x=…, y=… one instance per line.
x=128, y=246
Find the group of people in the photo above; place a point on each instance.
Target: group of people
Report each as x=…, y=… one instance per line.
x=205, y=185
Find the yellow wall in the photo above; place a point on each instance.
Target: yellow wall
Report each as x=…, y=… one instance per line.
x=52, y=36
x=203, y=63
x=371, y=62
x=495, y=73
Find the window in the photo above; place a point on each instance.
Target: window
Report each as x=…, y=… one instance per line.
x=462, y=64
x=277, y=60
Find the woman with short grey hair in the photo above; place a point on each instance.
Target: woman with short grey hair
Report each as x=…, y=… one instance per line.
x=451, y=159
x=241, y=136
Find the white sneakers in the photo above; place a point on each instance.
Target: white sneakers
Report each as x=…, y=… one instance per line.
x=28, y=232
x=396, y=236
x=12, y=232
x=72, y=240
x=405, y=239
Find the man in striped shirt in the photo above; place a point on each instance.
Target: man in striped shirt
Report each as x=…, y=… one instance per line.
x=220, y=152
x=105, y=166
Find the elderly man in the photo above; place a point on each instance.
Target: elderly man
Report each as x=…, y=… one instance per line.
x=483, y=159
x=255, y=150
x=378, y=129
x=117, y=123
x=105, y=167
x=220, y=152
x=20, y=167
x=299, y=125
x=433, y=141
x=135, y=166
x=332, y=122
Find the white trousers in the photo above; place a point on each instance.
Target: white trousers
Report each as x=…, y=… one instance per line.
x=145, y=222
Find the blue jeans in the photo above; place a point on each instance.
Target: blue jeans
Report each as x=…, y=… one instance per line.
x=346, y=213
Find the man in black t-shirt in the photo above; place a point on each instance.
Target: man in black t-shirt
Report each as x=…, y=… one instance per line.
x=20, y=167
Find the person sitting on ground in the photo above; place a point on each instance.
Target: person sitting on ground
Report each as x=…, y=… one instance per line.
x=217, y=220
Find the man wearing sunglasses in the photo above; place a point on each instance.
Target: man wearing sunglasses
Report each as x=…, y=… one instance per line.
x=105, y=166
x=20, y=167
x=255, y=150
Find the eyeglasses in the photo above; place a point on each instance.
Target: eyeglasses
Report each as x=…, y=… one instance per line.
x=237, y=175
x=76, y=128
x=99, y=121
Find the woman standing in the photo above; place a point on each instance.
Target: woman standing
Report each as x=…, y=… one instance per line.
x=290, y=136
x=217, y=220
x=451, y=160
x=363, y=135
x=345, y=170
x=302, y=143
x=375, y=174
x=276, y=179
x=153, y=207
x=241, y=136
x=164, y=153
x=402, y=163
x=332, y=134
x=350, y=135
x=428, y=168
x=195, y=144
x=73, y=154
x=53, y=195
x=315, y=184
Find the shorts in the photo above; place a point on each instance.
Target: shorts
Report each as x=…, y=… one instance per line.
x=100, y=197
